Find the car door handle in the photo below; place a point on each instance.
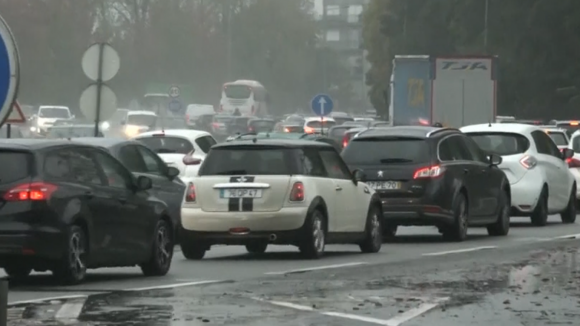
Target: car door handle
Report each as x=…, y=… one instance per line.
x=89, y=194
x=122, y=199
x=338, y=188
x=466, y=171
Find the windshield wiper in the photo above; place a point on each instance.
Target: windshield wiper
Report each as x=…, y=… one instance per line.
x=396, y=160
x=233, y=172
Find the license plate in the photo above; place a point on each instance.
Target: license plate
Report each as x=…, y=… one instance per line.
x=241, y=193
x=384, y=185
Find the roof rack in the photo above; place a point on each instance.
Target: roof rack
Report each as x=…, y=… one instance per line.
x=436, y=131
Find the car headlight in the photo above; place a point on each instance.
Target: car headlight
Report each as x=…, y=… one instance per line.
x=33, y=129
x=131, y=131
x=105, y=125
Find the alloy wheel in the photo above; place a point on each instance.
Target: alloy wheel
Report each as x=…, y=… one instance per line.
x=318, y=234
x=163, y=250
x=76, y=254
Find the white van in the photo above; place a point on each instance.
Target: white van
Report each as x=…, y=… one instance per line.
x=194, y=111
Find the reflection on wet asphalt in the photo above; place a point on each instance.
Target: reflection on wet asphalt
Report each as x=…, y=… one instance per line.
x=527, y=286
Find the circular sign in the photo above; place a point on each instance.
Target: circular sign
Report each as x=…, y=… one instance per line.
x=174, y=91
x=9, y=71
x=175, y=106
x=110, y=65
x=88, y=102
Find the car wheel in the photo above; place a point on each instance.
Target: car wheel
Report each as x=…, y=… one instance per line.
x=458, y=230
x=313, y=239
x=373, y=232
x=18, y=271
x=569, y=215
x=389, y=231
x=502, y=225
x=540, y=215
x=162, y=251
x=257, y=247
x=193, y=250
x=73, y=269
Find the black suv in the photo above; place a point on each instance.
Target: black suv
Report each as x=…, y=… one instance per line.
x=66, y=207
x=432, y=176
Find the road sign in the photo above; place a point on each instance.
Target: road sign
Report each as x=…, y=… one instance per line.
x=110, y=64
x=88, y=102
x=322, y=105
x=175, y=106
x=16, y=115
x=174, y=91
x=9, y=71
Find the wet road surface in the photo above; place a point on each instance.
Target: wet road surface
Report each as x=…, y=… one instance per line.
x=528, y=278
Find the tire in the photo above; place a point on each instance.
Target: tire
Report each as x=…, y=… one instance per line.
x=72, y=269
x=159, y=262
x=458, y=230
x=389, y=231
x=502, y=226
x=192, y=250
x=569, y=214
x=540, y=215
x=313, y=240
x=17, y=272
x=373, y=232
x=257, y=247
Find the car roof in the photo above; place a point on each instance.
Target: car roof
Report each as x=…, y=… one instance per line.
x=404, y=131
x=501, y=127
x=187, y=133
x=142, y=112
x=31, y=143
x=308, y=119
x=84, y=125
x=103, y=141
x=289, y=143
x=53, y=107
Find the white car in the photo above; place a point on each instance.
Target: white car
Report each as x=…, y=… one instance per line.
x=288, y=192
x=558, y=135
x=574, y=162
x=540, y=180
x=47, y=115
x=317, y=125
x=183, y=149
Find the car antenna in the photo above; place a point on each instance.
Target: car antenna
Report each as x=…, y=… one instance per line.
x=255, y=140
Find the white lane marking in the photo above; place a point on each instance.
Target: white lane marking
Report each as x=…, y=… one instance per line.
x=533, y=239
x=316, y=268
x=171, y=286
x=64, y=297
x=569, y=236
x=70, y=310
x=458, y=251
x=415, y=312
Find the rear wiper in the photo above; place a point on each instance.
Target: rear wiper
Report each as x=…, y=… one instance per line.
x=233, y=172
x=396, y=160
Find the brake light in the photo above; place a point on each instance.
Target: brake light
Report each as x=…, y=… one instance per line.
x=190, y=196
x=297, y=193
x=250, y=129
x=286, y=129
x=309, y=130
x=345, y=140
x=428, y=172
x=573, y=163
x=35, y=191
x=574, y=123
x=529, y=162
x=215, y=125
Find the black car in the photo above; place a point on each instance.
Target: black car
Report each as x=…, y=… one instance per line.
x=238, y=125
x=66, y=207
x=261, y=125
x=337, y=133
x=432, y=176
x=142, y=161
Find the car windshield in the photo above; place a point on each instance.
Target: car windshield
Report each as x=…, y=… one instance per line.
x=61, y=113
x=501, y=143
x=254, y=160
x=559, y=138
x=167, y=144
x=372, y=151
x=141, y=120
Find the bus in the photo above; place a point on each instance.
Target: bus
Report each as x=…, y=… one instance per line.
x=248, y=96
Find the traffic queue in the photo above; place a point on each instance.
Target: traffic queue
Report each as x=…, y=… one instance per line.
x=72, y=202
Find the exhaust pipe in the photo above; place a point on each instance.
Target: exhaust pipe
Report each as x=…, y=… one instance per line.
x=272, y=237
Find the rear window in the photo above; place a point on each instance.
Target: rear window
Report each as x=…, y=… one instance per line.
x=338, y=132
x=559, y=138
x=294, y=129
x=254, y=160
x=237, y=91
x=167, y=145
x=570, y=128
x=501, y=143
x=262, y=125
x=15, y=166
x=321, y=124
x=369, y=151
x=341, y=120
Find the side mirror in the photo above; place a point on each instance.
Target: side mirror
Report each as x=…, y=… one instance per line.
x=495, y=159
x=172, y=172
x=358, y=176
x=567, y=153
x=190, y=160
x=144, y=183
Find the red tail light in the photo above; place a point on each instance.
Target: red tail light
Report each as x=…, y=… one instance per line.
x=308, y=130
x=190, y=196
x=345, y=140
x=573, y=163
x=297, y=193
x=529, y=162
x=35, y=191
x=250, y=129
x=187, y=117
x=428, y=172
x=215, y=125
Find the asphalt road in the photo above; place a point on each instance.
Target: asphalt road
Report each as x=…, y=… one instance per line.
x=525, y=278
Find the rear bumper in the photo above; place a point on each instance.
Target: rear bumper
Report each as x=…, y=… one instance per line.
x=415, y=211
x=34, y=246
x=525, y=194
x=291, y=237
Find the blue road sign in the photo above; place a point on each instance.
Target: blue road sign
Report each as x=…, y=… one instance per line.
x=175, y=106
x=322, y=105
x=9, y=72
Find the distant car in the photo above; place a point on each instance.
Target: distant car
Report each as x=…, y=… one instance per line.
x=540, y=180
x=261, y=125
x=47, y=115
x=432, y=176
x=314, y=125
x=220, y=123
x=195, y=111
x=238, y=125
x=569, y=125
x=337, y=132
x=291, y=127
x=558, y=135
x=341, y=117
x=137, y=122
x=67, y=207
x=289, y=192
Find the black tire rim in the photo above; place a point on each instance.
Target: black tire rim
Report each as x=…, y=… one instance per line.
x=77, y=251
x=163, y=250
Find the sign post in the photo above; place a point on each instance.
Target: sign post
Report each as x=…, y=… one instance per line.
x=322, y=105
x=15, y=116
x=9, y=73
x=100, y=64
x=175, y=104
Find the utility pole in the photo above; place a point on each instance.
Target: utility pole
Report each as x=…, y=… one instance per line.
x=485, y=24
x=325, y=48
x=228, y=17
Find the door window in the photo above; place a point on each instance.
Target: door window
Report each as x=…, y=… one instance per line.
x=153, y=163
x=334, y=165
x=205, y=143
x=312, y=163
x=544, y=144
x=476, y=152
x=117, y=175
x=453, y=148
x=131, y=157
x=75, y=165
